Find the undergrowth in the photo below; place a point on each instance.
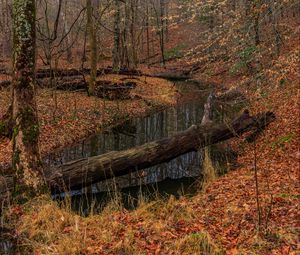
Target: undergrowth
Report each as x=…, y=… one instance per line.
x=42, y=226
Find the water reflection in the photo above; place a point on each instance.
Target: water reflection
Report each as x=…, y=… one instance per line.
x=6, y=247
x=137, y=132
x=130, y=197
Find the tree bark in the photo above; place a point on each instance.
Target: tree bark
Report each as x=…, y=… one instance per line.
x=116, y=48
x=161, y=32
x=26, y=156
x=66, y=33
x=147, y=33
x=6, y=30
x=93, y=47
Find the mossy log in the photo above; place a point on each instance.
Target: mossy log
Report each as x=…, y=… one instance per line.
x=81, y=173
x=114, y=90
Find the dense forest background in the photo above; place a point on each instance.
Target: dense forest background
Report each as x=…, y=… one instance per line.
x=150, y=32
x=71, y=70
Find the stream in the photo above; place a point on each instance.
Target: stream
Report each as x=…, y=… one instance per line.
x=181, y=175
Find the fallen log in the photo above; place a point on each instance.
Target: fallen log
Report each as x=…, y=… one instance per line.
x=84, y=172
x=64, y=83
x=47, y=73
x=44, y=75
x=81, y=173
x=172, y=76
x=114, y=90
x=79, y=83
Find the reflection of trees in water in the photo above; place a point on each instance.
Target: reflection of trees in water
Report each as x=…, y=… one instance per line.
x=137, y=132
x=7, y=246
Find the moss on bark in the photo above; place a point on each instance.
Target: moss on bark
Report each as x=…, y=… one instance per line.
x=26, y=157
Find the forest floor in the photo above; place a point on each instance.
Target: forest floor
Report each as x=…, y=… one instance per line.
x=68, y=116
x=221, y=219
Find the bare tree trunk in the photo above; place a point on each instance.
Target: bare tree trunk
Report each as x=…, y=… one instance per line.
x=6, y=31
x=148, y=36
x=167, y=20
x=256, y=23
x=92, y=46
x=116, y=48
x=162, y=39
x=66, y=30
x=274, y=20
x=124, y=45
x=256, y=29
x=133, y=28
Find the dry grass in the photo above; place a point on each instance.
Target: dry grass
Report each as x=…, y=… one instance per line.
x=196, y=244
x=160, y=227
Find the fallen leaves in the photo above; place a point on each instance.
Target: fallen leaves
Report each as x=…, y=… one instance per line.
x=67, y=117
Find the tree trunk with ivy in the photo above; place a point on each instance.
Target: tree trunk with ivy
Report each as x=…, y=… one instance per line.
x=26, y=156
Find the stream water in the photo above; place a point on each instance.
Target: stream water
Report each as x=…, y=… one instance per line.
x=179, y=176
x=137, y=132
x=174, y=177
x=6, y=246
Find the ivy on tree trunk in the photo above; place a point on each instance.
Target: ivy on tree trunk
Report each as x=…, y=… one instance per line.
x=26, y=156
